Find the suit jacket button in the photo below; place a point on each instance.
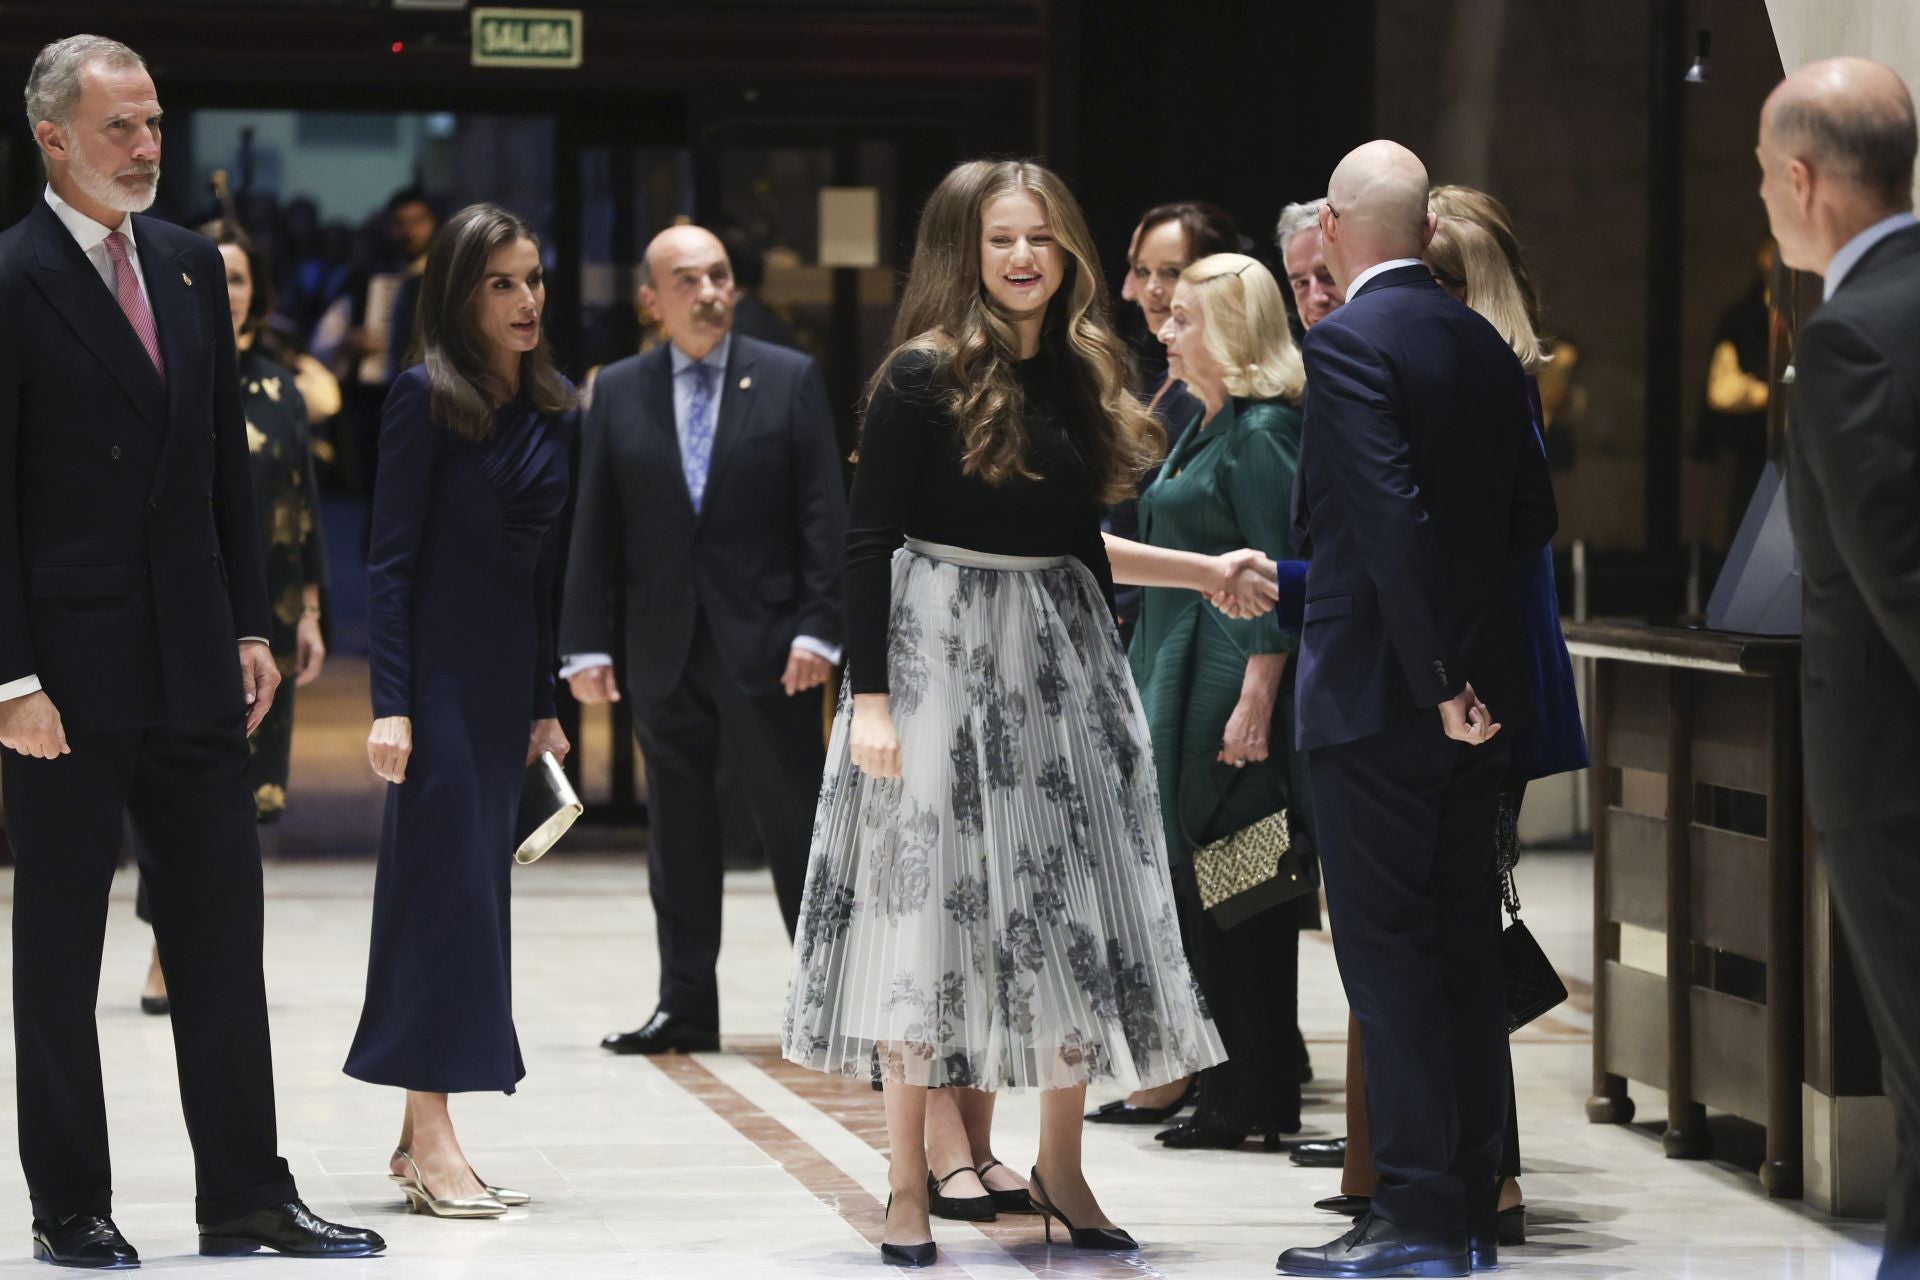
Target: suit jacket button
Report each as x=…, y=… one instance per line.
x=114, y=453
x=153, y=508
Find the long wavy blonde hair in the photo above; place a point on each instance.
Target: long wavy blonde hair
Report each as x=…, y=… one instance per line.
x=1246, y=330
x=946, y=311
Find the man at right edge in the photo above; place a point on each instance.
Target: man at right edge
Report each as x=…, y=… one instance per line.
x=1836, y=152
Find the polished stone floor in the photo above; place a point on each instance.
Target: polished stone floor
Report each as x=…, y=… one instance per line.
x=734, y=1165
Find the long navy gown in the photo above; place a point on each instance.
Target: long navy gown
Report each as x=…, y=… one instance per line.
x=461, y=605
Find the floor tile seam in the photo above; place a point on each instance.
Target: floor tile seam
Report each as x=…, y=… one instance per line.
x=832, y=1189
x=789, y=1076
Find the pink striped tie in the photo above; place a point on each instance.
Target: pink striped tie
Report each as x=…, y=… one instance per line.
x=126, y=287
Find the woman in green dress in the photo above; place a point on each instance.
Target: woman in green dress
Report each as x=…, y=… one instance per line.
x=1213, y=686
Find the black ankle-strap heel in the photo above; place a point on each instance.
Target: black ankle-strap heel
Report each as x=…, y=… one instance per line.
x=1109, y=1238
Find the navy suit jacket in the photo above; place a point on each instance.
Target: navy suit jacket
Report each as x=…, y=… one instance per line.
x=1421, y=491
x=762, y=558
x=129, y=567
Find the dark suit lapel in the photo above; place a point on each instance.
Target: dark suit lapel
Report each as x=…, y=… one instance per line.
x=70, y=283
x=656, y=408
x=172, y=299
x=738, y=391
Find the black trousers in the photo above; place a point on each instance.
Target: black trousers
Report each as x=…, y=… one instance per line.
x=1405, y=821
x=1874, y=872
x=186, y=791
x=780, y=748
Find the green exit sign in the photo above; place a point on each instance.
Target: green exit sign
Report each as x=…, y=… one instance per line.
x=526, y=37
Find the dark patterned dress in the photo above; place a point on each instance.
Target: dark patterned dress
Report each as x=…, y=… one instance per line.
x=286, y=508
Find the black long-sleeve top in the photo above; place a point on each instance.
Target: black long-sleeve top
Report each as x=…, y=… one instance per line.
x=910, y=483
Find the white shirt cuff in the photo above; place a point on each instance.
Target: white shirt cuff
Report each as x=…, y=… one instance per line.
x=19, y=688
x=831, y=652
x=256, y=640
x=578, y=662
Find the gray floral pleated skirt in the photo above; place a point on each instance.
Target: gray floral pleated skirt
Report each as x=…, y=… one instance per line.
x=1001, y=915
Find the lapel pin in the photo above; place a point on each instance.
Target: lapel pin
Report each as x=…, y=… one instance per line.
x=186, y=279
x=745, y=383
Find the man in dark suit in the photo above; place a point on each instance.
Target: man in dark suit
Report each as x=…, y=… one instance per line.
x=1837, y=144
x=131, y=669
x=709, y=466
x=1420, y=487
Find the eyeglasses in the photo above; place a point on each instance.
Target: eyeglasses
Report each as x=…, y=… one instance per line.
x=1332, y=212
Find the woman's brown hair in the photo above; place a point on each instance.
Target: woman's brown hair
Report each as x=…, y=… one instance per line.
x=465, y=390
x=946, y=311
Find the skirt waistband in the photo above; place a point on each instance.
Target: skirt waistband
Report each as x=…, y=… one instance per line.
x=967, y=558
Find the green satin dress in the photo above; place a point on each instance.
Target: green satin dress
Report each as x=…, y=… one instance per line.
x=1226, y=485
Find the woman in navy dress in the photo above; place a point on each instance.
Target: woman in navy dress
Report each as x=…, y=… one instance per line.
x=466, y=531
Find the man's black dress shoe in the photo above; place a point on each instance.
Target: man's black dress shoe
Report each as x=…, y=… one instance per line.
x=290, y=1228
x=664, y=1033
x=83, y=1240
x=1121, y=1111
x=1320, y=1155
x=1376, y=1247
x=1352, y=1206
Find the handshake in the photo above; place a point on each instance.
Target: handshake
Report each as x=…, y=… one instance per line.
x=1252, y=585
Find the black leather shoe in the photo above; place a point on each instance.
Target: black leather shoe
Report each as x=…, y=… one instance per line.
x=957, y=1208
x=1111, y=1239
x=1509, y=1226
x=1376, y=1247
x=1352, y=1206
x=664, y=1033
x=83, y=1240
x=156, y=1006
x=1011, y=1200
x=291, y=1229
x=1191, y=1135
x=1320, y=1155
x=1122, y=1112
x=908, y=1255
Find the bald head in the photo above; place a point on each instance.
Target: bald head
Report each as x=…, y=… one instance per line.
x=687, y=282
x=1376, y=209
x=1852, y=120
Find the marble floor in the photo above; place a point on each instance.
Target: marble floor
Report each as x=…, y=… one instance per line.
x=735, y=1165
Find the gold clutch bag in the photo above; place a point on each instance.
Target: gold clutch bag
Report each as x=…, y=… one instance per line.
x=548, y=807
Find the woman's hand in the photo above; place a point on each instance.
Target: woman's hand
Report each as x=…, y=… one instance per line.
x=1246, y=738
x=1245, y=741
x=310, y=651
x=547, y=735
x=875, y=745
x=1246, y=585
x=389, y=746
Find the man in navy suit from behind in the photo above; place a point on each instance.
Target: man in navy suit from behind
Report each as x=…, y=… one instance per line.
x=1420, y=484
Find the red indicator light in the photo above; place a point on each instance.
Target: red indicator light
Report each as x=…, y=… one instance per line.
x=399, y=46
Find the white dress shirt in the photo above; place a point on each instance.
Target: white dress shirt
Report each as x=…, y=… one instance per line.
x=683, y=389
x=1360, y=280
x=1857, y=248
x=92, y=239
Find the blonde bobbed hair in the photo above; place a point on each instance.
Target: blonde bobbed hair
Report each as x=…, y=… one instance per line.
x=1245, y=327
x=1465, y=254
x=945, y=310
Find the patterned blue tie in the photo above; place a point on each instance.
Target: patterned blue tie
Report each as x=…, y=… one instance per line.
x=696, y=454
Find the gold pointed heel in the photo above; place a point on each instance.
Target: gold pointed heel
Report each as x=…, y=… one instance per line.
x=505, y=1195
x=420, y=1200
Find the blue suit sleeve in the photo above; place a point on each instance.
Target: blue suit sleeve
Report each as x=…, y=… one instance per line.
x=1350, y=400
x=410, y=445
